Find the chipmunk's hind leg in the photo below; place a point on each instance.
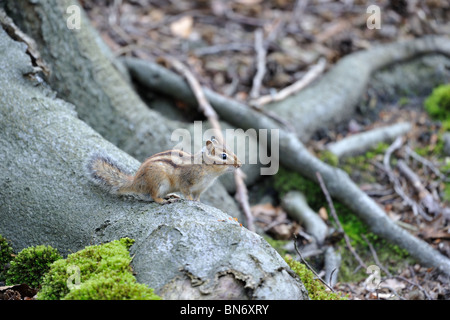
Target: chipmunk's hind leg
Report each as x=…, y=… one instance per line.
x=161, y=194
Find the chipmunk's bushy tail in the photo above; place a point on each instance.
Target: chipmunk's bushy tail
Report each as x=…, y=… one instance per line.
x=106, y=173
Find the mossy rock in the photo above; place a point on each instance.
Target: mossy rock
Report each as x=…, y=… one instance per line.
x=316, y=289
x=30, y=265
x=100, y=272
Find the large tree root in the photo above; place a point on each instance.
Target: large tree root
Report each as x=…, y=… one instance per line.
x=295, y=156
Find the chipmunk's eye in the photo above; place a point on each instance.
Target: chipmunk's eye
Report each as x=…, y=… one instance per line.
x=224, y=156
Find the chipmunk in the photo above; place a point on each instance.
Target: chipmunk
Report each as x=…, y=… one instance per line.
x=166, y=172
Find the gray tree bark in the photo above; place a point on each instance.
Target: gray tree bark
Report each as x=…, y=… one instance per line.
x=183, y=250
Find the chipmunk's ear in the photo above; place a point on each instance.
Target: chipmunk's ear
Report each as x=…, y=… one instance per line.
x=210, y=146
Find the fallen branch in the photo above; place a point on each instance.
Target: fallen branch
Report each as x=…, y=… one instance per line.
x=361, y=142
x=211, y=115
x=295, y=205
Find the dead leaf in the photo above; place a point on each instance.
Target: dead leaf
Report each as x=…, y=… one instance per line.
x=182, y=27
x=248, y=2
x=323, y=213
x=266, y=213
x=394, y=284
x=17, y=292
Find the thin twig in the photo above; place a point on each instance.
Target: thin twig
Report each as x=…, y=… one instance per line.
x=220, y=48
x=394, y=292
x=414, y=283
x=396, y=184
x=210, y=113
x=375, y=256
x=425, y=162
x=309, y=77
x=425, y=197
x=203, y=103
x=242, y=198
x=340, y=228
x=331, y=274
x=308, y=266
x=261, y=53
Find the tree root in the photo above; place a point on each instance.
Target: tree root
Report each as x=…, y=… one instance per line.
x=295, y=156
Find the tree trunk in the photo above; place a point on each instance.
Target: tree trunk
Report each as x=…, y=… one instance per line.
x=183, y=250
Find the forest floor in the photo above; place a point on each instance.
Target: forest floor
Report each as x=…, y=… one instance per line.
x=217, y=39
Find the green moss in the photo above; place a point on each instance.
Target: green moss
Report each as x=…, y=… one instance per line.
x=438, y=103
x=381, y=148
x=104, y=273
x=329, y=157
x=354, y=228
x=432, y=150
x=30, y=265
x=403, y=101
x=285, y=181
x=438, y=107
x=278, y=245
x=6, y=252
x=360, y=168
x=447, y=192
x=316, y=289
